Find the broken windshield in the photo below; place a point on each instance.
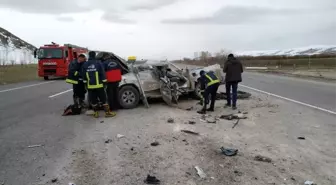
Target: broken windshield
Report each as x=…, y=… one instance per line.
x=50, y=53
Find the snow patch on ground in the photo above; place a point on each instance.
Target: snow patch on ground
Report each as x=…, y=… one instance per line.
x=309, y=50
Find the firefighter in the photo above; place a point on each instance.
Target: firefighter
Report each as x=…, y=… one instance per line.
x=209, y=83
x=113, y=72
x=94, y=76
x=75, y=78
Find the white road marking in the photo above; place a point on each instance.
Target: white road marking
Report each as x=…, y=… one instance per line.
x=291, y=100
x=52, y=96
x=26, y=86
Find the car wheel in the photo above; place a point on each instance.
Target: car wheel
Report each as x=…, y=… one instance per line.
x=46, y=78
x=129, y=97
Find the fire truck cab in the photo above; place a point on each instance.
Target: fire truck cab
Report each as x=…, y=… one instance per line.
x=54, y=59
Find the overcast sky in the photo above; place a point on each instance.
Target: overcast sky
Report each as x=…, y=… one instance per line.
x=172, y=28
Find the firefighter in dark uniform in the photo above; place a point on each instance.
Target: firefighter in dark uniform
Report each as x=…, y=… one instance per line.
x=75, y=78
x=94, y=76
x=113, y=71
x=209, y=83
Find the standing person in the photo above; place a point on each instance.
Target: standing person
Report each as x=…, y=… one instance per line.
x=209, y=83
x=233, y=69
x=94, y=76
x=75, y=77
x=113, y=72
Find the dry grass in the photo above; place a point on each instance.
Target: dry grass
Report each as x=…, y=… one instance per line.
x=17, y=73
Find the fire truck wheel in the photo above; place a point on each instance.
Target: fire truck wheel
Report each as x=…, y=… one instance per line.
x=46, y=78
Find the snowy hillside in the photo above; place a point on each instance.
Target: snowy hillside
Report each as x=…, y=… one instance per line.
x=14, y=50
x=310, y=50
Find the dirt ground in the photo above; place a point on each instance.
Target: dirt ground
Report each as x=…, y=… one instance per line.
x=98, y=157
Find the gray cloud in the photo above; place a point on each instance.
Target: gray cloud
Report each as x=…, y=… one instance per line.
x=43, y=6
x=234, y=15
x=76, y=6
x=152, y=5
x=65, y=19
x=110, y=17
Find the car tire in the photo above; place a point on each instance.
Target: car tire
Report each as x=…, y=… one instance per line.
x=129, y=97
x=46, y=77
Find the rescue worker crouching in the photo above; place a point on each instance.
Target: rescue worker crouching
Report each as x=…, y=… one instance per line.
x=94, y=76
x=113, y=71
x=75, y=77
x=209, y=83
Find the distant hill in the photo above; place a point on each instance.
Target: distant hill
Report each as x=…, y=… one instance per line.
x=310, y=50
x=13, y=41
x=14, y=50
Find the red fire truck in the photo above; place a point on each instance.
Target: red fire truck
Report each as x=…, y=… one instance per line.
x=53, y=59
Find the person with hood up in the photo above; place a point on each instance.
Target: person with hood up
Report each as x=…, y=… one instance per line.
x=75, y=77
x=94, y=77
x=233, y=70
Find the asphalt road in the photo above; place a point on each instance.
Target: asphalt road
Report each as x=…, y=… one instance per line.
x=29, y=117
x=30, y=114
x=315, y=93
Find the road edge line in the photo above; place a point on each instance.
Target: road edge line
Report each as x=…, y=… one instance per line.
x=26, y=86
x=288, y=99
x=60, y=93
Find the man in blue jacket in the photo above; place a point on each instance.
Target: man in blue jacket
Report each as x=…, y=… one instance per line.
x=209, y=83
x=76, y=79
x=94, y=77
x=113, y=71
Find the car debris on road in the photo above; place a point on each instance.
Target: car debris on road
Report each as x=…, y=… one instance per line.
x=229, y=152
x=34, y=146
x=235, y=124
x=233, y=116
x=262, y=159
x=309, y=183
x=151, y=180
x=155, y=143
x=54, y=180
x=120, y=136
x=200, y=172
x=190, y=132
x=108, y=141
x=170, y=120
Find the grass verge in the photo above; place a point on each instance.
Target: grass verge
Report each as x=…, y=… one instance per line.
x=17, y=73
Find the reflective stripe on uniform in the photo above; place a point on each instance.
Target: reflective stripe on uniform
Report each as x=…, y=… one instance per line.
x=211, y=81
x=71, y=81
x=97, y=85
x=76, y=73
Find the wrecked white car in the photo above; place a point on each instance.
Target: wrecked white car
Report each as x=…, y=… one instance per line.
x=154, y=79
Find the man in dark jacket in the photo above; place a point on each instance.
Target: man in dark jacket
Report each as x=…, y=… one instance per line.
x=233, y=69
x=75, y=78
x=113, y=72
x=94, y=76
x=209, y=83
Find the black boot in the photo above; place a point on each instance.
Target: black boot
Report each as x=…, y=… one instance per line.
x=203, y=111
x=210, y=109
